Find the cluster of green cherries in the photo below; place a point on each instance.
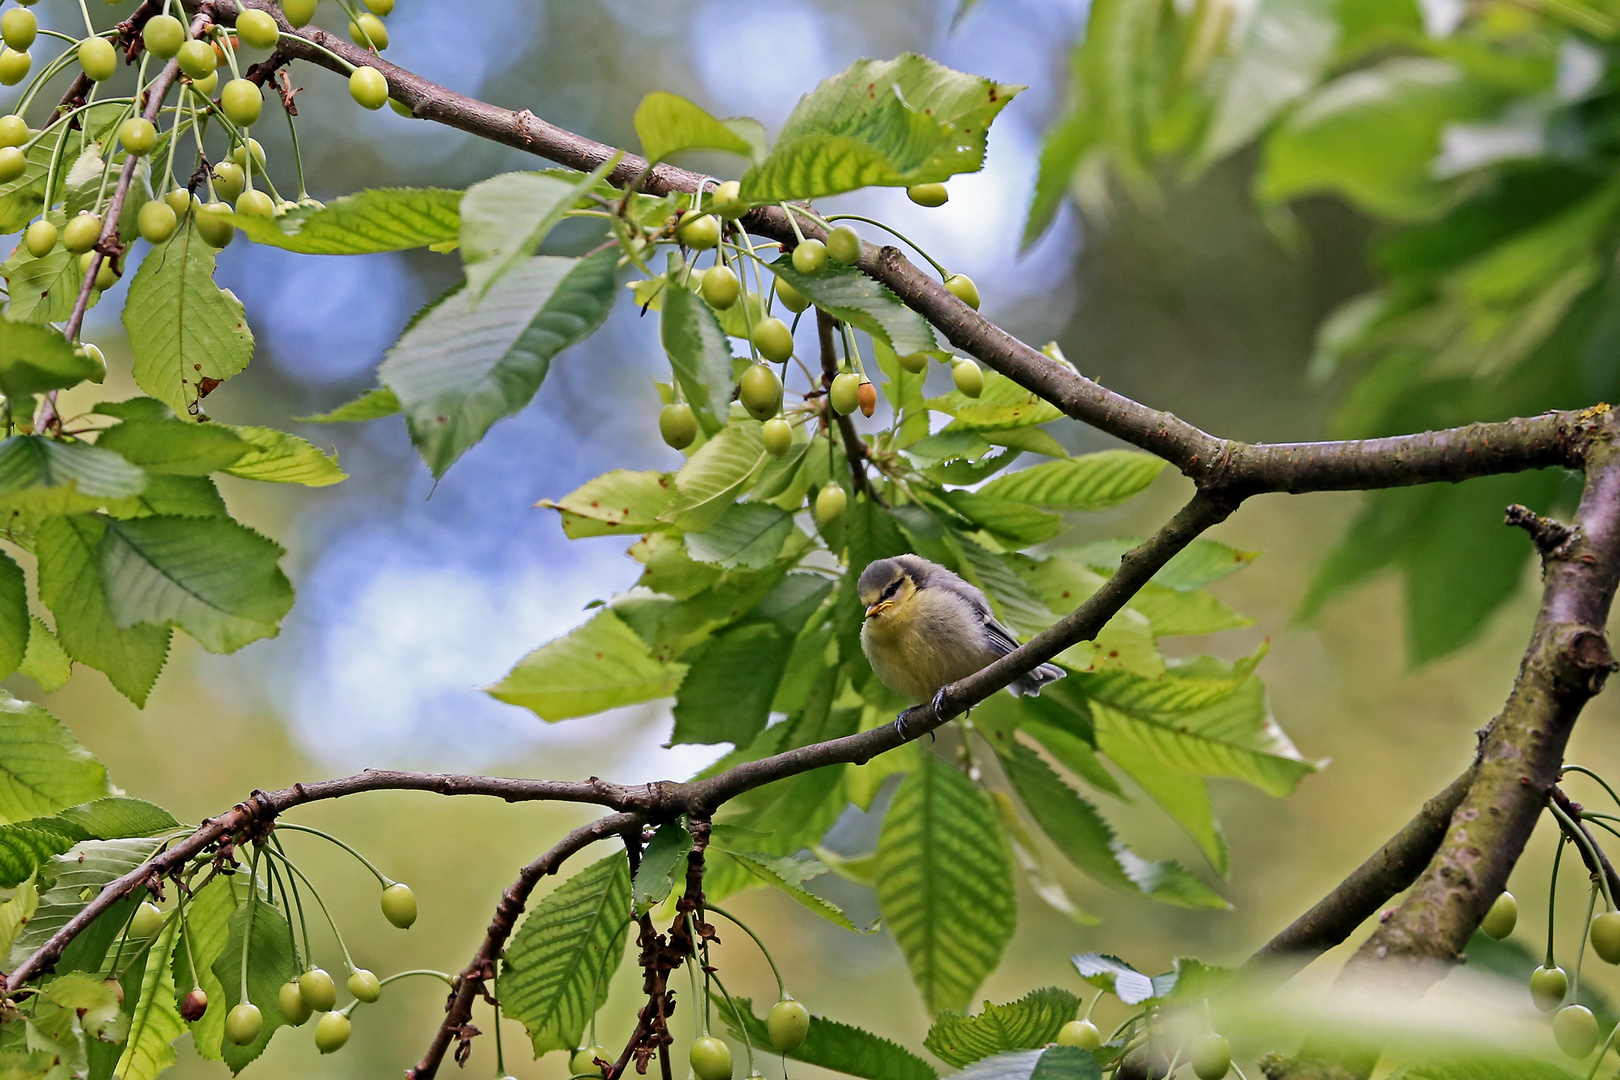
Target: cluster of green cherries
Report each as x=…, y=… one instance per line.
x=760, y=388
x=240, y=102
x=787, y=1024
x=314, y=991
x=1574, y=1026
x=1209, y=1054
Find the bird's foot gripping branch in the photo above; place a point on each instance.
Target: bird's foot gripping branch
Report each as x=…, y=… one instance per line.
x=805, y=457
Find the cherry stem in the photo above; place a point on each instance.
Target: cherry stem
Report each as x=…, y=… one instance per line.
x=290, y=865
x=1580, y=957
x=736, y=1014
x=253, y=909
x=1588, y=772
x=891, y=230
x=381, y=877
x=1552, y=897
x=1587, y=846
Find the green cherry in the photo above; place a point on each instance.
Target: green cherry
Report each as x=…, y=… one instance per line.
x=81, y=233
x=13, y=130
x=14, y=66
x=138, y=135
x=961, y=286
x=369, y=26
x=298, y=12
x=727, y=200
x=242, y=101
x=19, y=27
x=698, y=231
x=792, y=299
x=40, y=238
x=294, y=1009
x=197, y=59
x=163, y=35
x=181, y=201
x=229, y=180
x=773, y=339
x=787, y=1024
x=760, y=391
x=1211, y=1057
x=380, y=7
x=583, y=1063
x=399, y=905
x=914, y=362
x=778, y=436
x=318, y=989
x=810, y=257
x=98, y=58
x=256, y=203
x=844, y=245
x=968, y=378
x=368, y=87
x=1503, y=916
x=1576, y=1030
x=720, y=287
x=331, y=1032
x=243, y=1023
x=711, y=1058
x=845, y=393
x=1548, y=985
x=1081, y=1033
x=156, y=221
x=677, y=425
x=364, y=986
x=1606, y=936
x=830, y=503
x=206, y=86
x=147, y=922
x=257, y=29
x=928, y=194
x=13, y=163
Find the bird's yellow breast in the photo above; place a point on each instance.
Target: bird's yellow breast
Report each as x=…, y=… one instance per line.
x=929, y=639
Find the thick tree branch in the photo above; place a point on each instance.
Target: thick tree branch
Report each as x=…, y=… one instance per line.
x=1388, y=871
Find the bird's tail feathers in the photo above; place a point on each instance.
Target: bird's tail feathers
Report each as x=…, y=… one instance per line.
x=1030, y=685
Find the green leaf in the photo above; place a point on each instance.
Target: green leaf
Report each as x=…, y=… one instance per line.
x=41, y=290
x=615, y=503
x=41, y=476
x=1002, y=404
x=1016, y=523
x=16, y=913
x=505, y=218
x=667, y=124
x=847, y=293
x=726, y=696
x=13, y=616
x=271, y=963
x=70, y=585
x=1372, y=136
x=374, y=404
x=217, y=580
x=1030, y=1022
x=463, y=367
x=556, y=971
x=601, y=665
x=283, y=458
x=945, y=883
x=1065, y=147
x=169, y=446
x=1087, y=841
x=34, y=359
x=1285, y=48
x=28, y=845
x=788, y=874
x=1172, y=612
x=889, y=122
x=699, y=355
x=182, y=327
x=663, y=865
x=747, y=534
x=43, y=768
x=1066, y=1063
x=714, y=476
x=154, y=1020
x=45, y=661
x=379, y=219
x=835, y=1046
x=1114, y=975
x=118, y=818
x=1089, y=482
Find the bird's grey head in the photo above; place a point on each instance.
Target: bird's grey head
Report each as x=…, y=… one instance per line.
x=885, y=577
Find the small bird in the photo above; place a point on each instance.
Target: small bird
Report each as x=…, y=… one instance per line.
x=926, y=628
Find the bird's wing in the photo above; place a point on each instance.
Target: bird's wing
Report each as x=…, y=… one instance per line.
x=998, y=637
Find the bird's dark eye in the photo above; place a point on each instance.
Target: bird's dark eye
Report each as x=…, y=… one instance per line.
x=893, y=587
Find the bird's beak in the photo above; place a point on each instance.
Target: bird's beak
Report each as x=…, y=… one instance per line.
x=879, y=607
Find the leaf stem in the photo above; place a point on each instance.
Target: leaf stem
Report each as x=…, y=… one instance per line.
x=781, y=989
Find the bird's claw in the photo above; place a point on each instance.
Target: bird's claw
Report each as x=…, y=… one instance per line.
x=937, y=706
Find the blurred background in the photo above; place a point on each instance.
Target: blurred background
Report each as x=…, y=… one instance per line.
x=412, y=596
